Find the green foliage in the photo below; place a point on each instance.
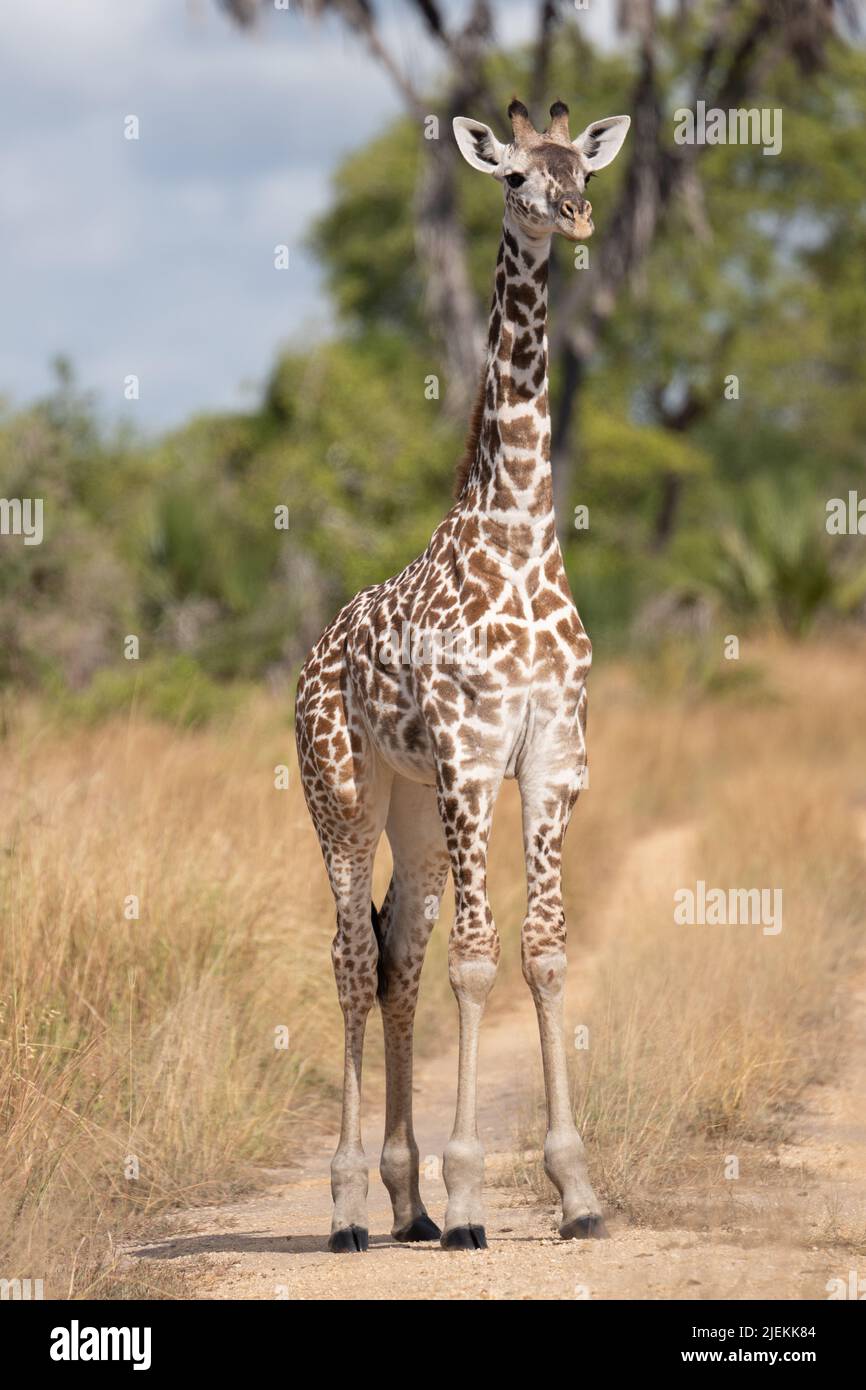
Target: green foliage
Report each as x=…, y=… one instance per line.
x=169, y=688
x=689, y=667
x=365, y=239
x=177, y=543
x=369, y=462
x=772, y=560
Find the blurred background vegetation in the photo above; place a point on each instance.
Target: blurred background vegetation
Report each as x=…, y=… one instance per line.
x=706, y=513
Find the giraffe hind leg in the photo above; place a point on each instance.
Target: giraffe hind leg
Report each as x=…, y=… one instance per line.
x=347, y=789
x=407, y=917
x=349, y=835
x=354, y=954
x=376, y=922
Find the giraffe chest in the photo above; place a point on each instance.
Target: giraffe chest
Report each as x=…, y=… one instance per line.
x=459, y=673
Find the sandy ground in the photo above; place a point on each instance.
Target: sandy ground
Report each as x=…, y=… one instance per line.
x=779, y=1237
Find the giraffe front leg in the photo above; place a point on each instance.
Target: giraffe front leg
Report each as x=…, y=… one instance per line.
x=473, y=955
x=547, y=804
x=564, y=1153
x=399, y=1164
x=463, y=1165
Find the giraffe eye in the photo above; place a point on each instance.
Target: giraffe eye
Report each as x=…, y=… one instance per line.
x=515, y=180
x=587, y=179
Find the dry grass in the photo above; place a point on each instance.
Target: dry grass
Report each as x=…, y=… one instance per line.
x=153, y=1039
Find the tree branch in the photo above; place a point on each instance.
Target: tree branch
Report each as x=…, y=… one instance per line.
x=451, y=308
x=548, y=14
x=451, y=305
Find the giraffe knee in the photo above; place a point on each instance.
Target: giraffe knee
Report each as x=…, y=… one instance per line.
x=473, y=951
x=544, y=971
x=472, y=976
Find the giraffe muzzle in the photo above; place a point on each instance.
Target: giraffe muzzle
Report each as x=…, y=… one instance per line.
x=575, y=217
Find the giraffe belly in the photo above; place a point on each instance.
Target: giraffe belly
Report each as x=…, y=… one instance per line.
x=412, y=768
x=396, y=727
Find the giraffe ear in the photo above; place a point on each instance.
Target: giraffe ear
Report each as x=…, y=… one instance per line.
x=478, y=145
x=601, y=142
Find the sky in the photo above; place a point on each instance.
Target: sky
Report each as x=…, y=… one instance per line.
x=155, y=257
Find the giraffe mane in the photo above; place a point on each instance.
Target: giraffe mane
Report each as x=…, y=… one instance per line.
x=470, y=448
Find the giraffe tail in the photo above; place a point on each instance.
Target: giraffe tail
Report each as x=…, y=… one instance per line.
x=381, y=977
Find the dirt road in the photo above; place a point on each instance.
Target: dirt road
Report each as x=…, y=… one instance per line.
x=275, y=1245
x=779, y=1236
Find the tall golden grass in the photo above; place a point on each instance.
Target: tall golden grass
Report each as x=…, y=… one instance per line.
x=139, y=1068
x=150, y=1040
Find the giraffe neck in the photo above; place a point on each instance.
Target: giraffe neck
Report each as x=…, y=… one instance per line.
x=510, y=481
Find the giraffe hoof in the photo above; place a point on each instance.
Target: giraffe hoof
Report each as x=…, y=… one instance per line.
x=348, y=1240
x=422, y=1228
x=584, y=1228
x=465, y=1238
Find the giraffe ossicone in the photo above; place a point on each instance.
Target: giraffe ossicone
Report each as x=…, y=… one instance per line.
x=419, y=748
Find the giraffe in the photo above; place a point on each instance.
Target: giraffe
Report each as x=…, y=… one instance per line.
x=429, y=689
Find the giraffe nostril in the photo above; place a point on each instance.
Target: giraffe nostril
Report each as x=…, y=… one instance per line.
x=575, y=207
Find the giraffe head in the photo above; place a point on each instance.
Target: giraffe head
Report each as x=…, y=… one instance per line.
x=545, y=174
